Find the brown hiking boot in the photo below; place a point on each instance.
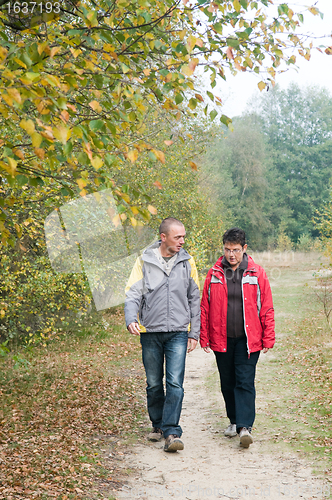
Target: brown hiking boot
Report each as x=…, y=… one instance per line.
x=173, y=443
x=156, y=434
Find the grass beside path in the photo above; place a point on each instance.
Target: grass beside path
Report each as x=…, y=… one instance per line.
x=67, y=411
x=300, y=372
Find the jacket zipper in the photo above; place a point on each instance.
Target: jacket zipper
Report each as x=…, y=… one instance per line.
x=168, y=303
x=244, y=316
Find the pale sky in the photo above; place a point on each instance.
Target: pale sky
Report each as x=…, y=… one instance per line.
x=236, y=91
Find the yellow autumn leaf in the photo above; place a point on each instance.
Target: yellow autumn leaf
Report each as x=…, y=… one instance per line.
x=7, y=99
x=186, y=70
x=20, y=63
x=116, y=220
x=81, y=183
x=133, y=221
x=18, y=230
x=152, y=210
x=42, y=47
x=48, y=135
x=53, y=80
x=193, y=165
x=160, y=155
x=313, y=11
x=28, y=126
x=237, y=5
x=328, y=51
x=75, y=52
x=191, y=42
x=14, y=93
x=19, y=153
x=64, y=115
x=261, y=85
x=62, y=133
x=132, y=155
x=95, y=106
x=92, y=18
x=36, y=139
x=12, y=164
x=3, y=53
x=97, y=162
x=54, y=51
x=40, y=152
x=193, y=63
x=168, y=143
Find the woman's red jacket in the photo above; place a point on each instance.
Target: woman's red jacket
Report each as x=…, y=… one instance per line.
x=258, y=309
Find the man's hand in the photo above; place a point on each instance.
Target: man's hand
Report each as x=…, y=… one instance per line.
x=134, y=328
x=207, y=349
x=192, y=343
x=265, y=350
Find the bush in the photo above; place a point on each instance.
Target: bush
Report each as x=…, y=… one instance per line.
x=305, y=243
x=35, y=301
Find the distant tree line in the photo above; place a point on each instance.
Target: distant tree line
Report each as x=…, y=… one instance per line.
x=273, y=172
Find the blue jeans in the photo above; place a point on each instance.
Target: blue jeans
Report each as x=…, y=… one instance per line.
x=164, y=408
x=237, y=381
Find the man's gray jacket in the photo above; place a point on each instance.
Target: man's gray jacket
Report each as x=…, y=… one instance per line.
x=164, y=295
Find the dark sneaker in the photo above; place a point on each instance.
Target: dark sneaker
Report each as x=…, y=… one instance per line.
x=245, y=438
x=173, y=443
x=156, y=434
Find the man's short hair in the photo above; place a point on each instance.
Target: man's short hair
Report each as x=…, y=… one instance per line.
x=167, y=223
x=234, y=235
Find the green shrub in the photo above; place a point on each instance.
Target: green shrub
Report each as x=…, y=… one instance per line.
x=35, y=301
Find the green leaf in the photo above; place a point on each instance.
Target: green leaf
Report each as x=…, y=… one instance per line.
x=97, y=126
x=21, y=180
x=213, y=114
x=192, y=103
x=225, y=120
x=233, y=42
x=67, y=148
x=36, y=181
x=178, y=98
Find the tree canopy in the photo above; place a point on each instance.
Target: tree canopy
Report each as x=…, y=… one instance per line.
x=79, y=85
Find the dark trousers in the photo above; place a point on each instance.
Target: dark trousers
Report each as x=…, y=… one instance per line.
x=237, y=381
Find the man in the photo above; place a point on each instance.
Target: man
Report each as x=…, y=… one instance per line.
x=237, y=322
x=163, y=289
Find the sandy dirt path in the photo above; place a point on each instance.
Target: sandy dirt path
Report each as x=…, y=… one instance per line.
x=212, y=466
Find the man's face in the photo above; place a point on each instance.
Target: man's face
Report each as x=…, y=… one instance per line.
x=174, y=239
x=234, y=253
